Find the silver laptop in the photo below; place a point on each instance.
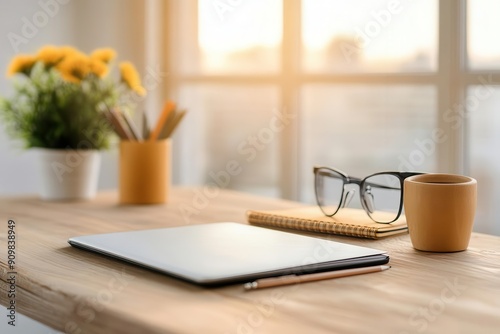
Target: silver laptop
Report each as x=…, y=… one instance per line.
x=223, y=253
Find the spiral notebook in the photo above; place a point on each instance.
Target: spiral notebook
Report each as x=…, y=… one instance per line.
x=347, y=221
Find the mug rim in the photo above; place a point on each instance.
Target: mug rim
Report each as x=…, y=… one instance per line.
x=441, y=179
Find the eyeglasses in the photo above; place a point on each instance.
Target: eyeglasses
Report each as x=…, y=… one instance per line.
x=381, y=194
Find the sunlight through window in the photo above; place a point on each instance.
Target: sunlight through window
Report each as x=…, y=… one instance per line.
x=483, y=26
x=240, y=36
x=369, y=35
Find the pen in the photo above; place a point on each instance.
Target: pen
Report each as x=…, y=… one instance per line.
x=293, y=279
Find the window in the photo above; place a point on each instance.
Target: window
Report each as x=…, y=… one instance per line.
x=359, y=85
x=369, y=36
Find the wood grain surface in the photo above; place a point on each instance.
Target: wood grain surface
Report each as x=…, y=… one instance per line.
x=75, y=291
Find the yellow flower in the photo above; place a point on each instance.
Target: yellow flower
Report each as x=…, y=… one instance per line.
x=105, y=55
x=74, y=68
x=50, y=55
x=98, y=67
x=21, y=64
x=131, y=78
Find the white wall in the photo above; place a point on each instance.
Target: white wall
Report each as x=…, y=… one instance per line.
x=86, y=24
x=16, y=165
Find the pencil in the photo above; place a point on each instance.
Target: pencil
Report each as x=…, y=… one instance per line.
x=173, y=124
x=115, y=124
x=166, y=126
x=121, y=124
x=167, y=110
x=294, y=279
x=130, y=125
x=145, y=126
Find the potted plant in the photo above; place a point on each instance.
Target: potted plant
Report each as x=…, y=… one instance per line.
x=58, y=109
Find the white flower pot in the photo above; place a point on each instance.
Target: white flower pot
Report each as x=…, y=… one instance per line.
x=68, y=174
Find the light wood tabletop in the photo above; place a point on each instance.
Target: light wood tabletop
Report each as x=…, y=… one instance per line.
x=76, y=291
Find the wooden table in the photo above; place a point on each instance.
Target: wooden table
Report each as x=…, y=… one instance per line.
x=75, y=291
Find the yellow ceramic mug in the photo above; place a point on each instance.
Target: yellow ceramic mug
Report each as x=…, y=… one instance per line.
x=144, y=171
x=440, y=211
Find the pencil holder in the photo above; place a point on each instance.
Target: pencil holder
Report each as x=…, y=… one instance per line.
x=144, y=171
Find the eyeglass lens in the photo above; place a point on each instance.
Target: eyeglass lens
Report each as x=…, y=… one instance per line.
x=380, y=194
x=329, y=188
x=381, y=197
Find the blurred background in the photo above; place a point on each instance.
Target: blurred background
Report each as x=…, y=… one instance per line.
x=282, y=85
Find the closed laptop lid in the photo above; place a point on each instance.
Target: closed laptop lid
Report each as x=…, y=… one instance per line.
x=221, y=253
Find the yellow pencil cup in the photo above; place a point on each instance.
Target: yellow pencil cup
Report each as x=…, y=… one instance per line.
x=144, y=171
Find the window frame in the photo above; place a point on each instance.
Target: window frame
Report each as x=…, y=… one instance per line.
x=451, y=79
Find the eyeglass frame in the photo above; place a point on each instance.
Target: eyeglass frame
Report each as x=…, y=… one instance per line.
x=346, y=179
